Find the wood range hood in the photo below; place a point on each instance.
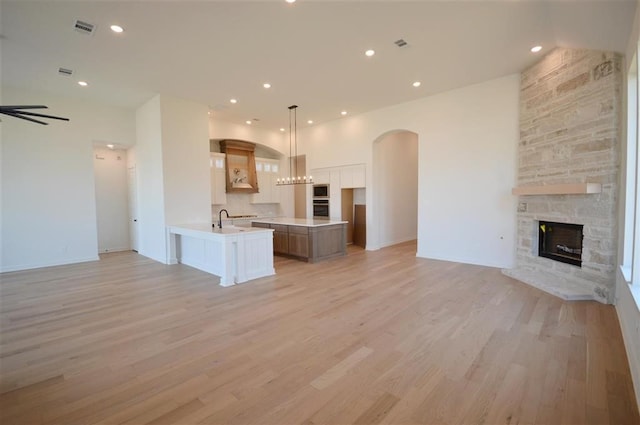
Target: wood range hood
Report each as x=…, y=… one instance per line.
x=240, y=166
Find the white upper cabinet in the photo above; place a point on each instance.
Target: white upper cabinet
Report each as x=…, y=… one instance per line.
x=267, y=171
x=352, y=176
x=321, y=177
x=218, y=182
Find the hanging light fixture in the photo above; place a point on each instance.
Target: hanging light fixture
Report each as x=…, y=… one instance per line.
x=294, y=177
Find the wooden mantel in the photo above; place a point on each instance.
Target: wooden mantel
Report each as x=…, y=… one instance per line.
x=558, y=189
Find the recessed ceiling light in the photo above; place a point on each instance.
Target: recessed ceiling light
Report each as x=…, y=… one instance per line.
x=266, y=85
x=233, y=100
x=290, y=1
x=370, y=52
x=343, y=113
x=536, y=49
x=281, y=129
x=310, y=122
x=83, y=83
x=248, y=122
x=117, y=28
x=110, y=146
x=416, y=84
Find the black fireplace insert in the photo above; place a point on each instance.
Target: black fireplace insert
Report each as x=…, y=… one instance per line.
x=560, y=242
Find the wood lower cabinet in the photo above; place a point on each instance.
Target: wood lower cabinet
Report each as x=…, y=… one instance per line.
x=308, y=243
x=280, y=239
x=299, y=241
x=328, y=241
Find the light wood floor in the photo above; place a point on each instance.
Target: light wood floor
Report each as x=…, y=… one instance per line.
x=376, y=337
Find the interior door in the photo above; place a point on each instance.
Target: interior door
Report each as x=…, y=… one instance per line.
x=133, y=208
x=360, y=225
x=347, y=212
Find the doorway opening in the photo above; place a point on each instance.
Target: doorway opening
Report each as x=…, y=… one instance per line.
x=112, y=203
x=354, y=212
x=395, y=176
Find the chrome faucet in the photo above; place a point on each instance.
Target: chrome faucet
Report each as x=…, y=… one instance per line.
x=220, y=217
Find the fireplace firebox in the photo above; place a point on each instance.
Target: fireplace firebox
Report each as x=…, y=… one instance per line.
x=560, y=242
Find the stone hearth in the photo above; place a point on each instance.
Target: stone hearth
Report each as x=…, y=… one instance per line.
x=570, y=104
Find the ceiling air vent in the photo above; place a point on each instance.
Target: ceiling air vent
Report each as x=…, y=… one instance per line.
x=400, y=43
x=84, y=27
x=66, y=72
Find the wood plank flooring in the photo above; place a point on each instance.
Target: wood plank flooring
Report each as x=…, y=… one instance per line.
x=372, y=338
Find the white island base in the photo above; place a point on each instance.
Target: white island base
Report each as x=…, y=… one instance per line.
x=234, y=254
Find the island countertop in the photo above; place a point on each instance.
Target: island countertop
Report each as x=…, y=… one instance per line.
x=304, y=222
x=208, y=229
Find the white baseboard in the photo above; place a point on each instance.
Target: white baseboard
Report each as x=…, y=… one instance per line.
x=472, y=261
x=118, y=249
x=7, y=269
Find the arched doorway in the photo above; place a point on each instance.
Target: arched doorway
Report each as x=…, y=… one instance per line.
x=395, y=189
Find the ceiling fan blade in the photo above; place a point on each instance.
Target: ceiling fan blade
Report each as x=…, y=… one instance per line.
x=33, y=114
x=9, y=107
x=17, y=115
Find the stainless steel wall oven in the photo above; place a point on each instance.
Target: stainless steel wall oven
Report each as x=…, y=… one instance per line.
x=321, y=208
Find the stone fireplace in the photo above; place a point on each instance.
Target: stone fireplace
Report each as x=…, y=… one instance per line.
x=570, y=107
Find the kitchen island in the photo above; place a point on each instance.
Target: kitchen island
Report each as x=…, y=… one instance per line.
x=306, y=239
x=235, y=254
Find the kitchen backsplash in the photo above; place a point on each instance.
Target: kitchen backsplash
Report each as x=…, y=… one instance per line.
x=239, y=204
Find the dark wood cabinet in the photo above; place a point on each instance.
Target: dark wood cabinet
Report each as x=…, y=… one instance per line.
x=328, y=241
x=263, y=225
x=299, y=245
x=308, y=243
x=360, y=225
x=280, y=242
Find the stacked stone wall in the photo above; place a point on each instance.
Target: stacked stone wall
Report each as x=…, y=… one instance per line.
x=570, y=109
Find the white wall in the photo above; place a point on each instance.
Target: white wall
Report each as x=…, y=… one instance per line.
x=626, y=306
x=48, y=191
x=172, y=165
x=1, y=150
x=395, y=175
x=467, y=149
x=468, y=155
x=149, y=173
x=112, y=206
x=251, y=133
x=185, y=159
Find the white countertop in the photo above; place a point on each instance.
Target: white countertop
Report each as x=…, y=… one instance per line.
x=208, y=228
x=306, y=222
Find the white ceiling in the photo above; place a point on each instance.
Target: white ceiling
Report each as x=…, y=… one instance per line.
x=312, y=52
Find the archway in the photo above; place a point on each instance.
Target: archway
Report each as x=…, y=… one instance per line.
x=395, y=189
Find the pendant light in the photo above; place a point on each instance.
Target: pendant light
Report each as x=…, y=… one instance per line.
x=294, y=177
